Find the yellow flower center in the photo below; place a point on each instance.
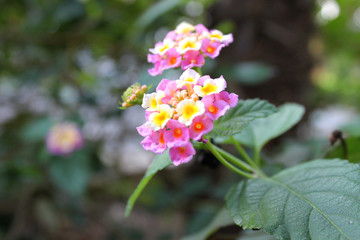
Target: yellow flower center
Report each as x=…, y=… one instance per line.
x=153, y=103
x=172, y=61
x=189, y=111
x=216, y=35
x=210, y=49
x=177, y=132
x=208, y=89
x=160, y=118
x=213, y=109
x=161, y=140
x=198, y=126
x=189, y=44
x=164, y=48
x=66, y=137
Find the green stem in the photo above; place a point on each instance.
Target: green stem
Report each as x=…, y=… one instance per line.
x=243, y=153
x=256, y=156
x=214, y=151
x=234, y=160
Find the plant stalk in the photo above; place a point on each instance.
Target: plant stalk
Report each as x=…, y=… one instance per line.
x=214, y=150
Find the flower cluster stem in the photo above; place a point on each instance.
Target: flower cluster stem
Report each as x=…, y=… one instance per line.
x=243, y=153
x=235, y=164
x=214, y=150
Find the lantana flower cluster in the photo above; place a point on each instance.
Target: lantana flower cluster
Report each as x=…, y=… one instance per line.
x=183, y=110
x=187, y=47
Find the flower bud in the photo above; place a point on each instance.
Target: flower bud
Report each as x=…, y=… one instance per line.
x=133, y=95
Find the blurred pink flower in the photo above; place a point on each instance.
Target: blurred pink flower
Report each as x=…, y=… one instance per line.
x=63, y=139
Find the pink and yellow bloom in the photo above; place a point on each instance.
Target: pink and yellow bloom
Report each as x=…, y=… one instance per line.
x=63, y=139
x=178, y=134
x=183, y=110
x=215, y=108
x=200, y=126
x=187, y=46
x=182, y=154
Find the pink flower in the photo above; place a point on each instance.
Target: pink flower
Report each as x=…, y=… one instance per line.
x=182, y=154
x=156, y=70
x=200, y=126
x=63, y=139
x=172, y=59
x=178, y=134
x=192, y=59
x=155, y=142
x=211, y=48
x=200, y=28
x=171, y=35
x=214, y=108
x=162, y=85
x=144, y=130
x=231, y=98
x=169, y=91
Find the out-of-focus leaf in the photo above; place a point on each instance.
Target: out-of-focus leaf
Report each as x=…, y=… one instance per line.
x=159, y=163
x=237, y=118
x=71, y=173
x=153, y=13
x=255, y=235
x=250, y=73
x=260, y=131
x=352, y=128
x=37, y=129
x=353, y=150
x=314, y=200
x=222, y=219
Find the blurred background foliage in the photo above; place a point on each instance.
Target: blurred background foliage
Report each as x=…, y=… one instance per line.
x=69, y=60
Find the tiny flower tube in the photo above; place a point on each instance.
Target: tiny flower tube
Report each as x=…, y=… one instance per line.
x=188, y=77
x=218, y=35
x=211, y=86
x=153, y=100
x=158, y=143
x=178, y=134
x=182, y=154
x=200, y=126
x=158, y=120
x=161, y=48
x=188, y=44
x=172, y=59
x=188, y=110
x=184, y=28
x=214, y=108
x=211, y=48
x=63, y=139
x=231, y=98
x=192, y=59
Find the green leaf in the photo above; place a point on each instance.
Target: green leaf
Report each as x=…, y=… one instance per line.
x=261, y=131
x=159, y=163
x=250, y=73
x=152, y=13
x=222, y=219
x=36, y=130
x=71, y=173
x=314, y=200
x=353, y=150
x=237, y=118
